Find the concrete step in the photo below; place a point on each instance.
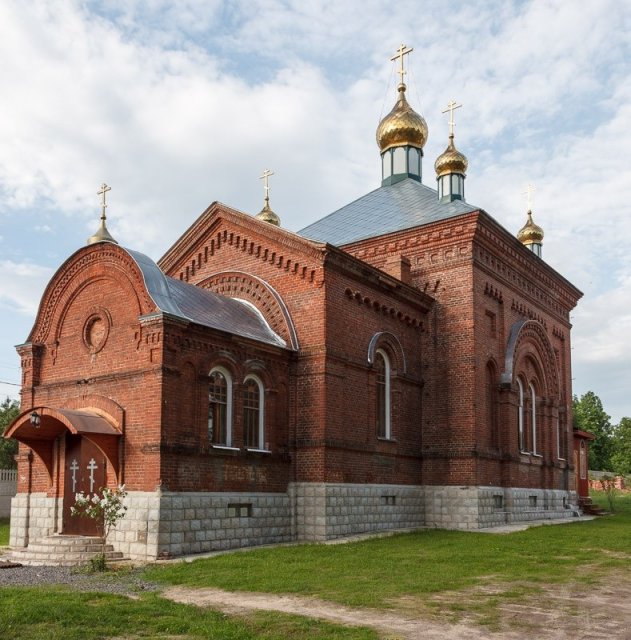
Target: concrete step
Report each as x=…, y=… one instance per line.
x=63, y=551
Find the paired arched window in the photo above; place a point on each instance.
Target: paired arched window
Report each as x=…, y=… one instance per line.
x=220, y=410
x=383, y=382
x=253, y=413
x=220, y=407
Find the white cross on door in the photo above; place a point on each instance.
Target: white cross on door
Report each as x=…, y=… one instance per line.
x=92, y=467
x=74, y=467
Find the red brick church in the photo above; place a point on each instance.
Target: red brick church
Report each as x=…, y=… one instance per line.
x=399, y=363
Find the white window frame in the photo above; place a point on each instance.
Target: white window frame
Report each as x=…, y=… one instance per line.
x=520, y=415
x=388, y=387
x=228, y=378
x=261, y=417
x=533, y=410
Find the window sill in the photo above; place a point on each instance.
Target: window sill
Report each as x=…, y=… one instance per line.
x=255, y=450
x=223, y=447
x=381, y=439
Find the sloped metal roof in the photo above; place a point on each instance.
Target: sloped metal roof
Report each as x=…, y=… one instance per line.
x=204, y=307
x=396, y=207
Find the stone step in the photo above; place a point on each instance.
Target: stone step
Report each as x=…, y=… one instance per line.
x=64, y=551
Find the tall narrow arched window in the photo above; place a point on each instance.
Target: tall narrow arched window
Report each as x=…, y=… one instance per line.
x=382, y=367
x=520, y=414
x=220, y=407
x=253, y=413
x=533, y=416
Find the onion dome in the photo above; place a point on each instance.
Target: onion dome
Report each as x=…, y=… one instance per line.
x=530, y=233
x=451, y=160
x=267, y=215
x=402, y=126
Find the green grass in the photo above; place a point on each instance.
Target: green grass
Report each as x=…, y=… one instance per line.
x=4, y=532
x=55, y=613
x=378, y=572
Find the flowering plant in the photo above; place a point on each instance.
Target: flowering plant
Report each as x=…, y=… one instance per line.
x=105, y=509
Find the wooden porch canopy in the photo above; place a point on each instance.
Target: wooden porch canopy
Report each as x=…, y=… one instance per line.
x=53, y=422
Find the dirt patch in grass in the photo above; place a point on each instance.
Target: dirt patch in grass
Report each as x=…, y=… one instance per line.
x=502, y=611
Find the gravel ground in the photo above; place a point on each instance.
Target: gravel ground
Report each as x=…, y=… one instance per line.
x=124, y=580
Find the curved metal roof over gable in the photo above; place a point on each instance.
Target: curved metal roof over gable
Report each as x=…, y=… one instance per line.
x=388, y=209
x=204, y=307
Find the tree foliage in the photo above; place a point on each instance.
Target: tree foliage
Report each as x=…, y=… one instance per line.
x=621, y=456
x=9, y=410
x=589, y=415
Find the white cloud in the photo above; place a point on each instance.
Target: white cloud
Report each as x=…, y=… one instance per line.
x=22, y=285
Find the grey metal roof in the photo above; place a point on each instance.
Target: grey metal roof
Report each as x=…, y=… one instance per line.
x=204, y=307
x=403, y=205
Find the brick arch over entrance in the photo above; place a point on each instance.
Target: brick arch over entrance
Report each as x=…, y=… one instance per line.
x=529, y=338
x=244, y=286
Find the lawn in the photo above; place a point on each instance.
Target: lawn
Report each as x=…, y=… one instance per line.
x=59, y=614
x=4, y=532
x=378, y=572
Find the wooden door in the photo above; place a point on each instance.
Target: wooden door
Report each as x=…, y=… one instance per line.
x=85, y=472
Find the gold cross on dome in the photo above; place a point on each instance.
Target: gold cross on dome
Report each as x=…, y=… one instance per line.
x=528, y=194
x=451, y=107
x=266, y=174
x=403, y=50
x=104, y=189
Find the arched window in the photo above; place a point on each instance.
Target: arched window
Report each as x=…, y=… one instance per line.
x=382, y=367
x=520, y=414
x=533, y=417
x=220, y=407
x=253, y=413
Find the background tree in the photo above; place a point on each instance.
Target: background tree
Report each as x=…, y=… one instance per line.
x=589, y=415
x=9, y=409
x=621, y=456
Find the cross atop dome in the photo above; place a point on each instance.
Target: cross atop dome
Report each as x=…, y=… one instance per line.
x=102, y=234
x=266, y=214
x=402, y=51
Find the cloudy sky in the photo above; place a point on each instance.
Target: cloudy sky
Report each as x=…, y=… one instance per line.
x=178, y=104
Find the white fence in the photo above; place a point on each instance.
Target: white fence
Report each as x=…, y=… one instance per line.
x=8, y=488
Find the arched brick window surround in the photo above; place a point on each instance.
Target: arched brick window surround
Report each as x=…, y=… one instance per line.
x=220, y=410
x=253, y=412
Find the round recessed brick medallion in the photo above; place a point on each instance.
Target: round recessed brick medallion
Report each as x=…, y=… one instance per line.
x=96, y=330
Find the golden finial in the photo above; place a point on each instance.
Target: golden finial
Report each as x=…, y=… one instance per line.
x=102, y=235
x=531, y=234
x=402, y=126
x=451, y=107
x=266, y=214
x=451, y=160
x=402, y=51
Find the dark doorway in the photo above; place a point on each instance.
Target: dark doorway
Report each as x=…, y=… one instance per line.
x=85, y=471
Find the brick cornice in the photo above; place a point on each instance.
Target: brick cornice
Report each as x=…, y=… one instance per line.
x=500, y=254
x=184, y=250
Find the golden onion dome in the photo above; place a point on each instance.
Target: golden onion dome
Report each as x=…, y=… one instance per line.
x=267, y=215
x=402, y=126
x=451, y=160
x=530, y=233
